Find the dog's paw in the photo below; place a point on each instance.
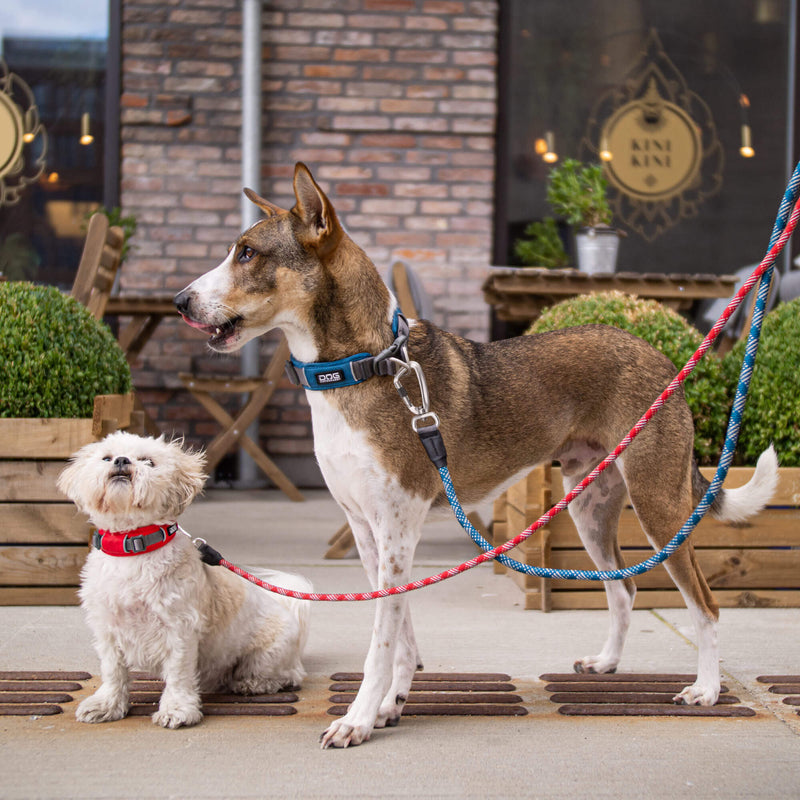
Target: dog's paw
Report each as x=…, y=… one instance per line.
x=341, y=734
x=390, y=712
x=594, y=665
x=250, y=686
x=697, y=695
x=260, y=685
x=177, y=716
x=101, y=709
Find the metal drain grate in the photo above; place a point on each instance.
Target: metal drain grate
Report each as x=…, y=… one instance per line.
x=784, y=684
x=25, y=694
x=28, y=693
x=629, y=695
x=441, y=694
x=146, y=692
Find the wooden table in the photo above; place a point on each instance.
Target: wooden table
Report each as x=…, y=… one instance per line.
x=146, y=312
x=520, y=294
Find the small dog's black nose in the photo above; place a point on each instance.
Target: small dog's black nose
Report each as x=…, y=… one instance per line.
x=122, y=461
x=181, y=301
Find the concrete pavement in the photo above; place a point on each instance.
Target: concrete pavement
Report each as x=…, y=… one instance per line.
x=472, y=623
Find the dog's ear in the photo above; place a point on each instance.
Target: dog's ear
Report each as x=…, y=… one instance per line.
x=189, y=478
x=68, y=480
x=316, y=211
x=270, y=209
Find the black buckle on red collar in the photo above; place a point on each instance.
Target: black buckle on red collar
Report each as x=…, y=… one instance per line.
x=132, y=543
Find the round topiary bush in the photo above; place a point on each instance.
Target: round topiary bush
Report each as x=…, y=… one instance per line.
x=706, y=390
x=772, y=413
x=54, y=355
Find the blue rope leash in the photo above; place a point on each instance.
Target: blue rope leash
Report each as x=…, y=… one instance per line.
x=731, y=438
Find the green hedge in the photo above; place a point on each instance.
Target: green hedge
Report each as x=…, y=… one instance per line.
x=772, y=413
x=54, y=355
x=706, y=388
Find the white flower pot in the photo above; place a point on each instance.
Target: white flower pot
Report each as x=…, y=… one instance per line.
x=597, y=249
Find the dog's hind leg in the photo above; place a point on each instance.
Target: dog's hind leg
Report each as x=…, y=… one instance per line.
x=595, y=513
x=663, y=506
x=703, y=609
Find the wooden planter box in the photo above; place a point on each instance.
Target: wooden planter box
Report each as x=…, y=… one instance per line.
x=755, y=565
x=43, y=537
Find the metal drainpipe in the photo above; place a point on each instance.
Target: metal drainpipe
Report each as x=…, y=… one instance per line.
x=249, y=474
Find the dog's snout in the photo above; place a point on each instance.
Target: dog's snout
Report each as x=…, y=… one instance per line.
x=182, y=300
x=122, y=461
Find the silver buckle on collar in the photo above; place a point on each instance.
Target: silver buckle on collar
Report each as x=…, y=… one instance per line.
x=403, y=368
x=136, y=544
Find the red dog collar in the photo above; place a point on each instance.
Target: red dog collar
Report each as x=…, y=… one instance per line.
x=136, y=541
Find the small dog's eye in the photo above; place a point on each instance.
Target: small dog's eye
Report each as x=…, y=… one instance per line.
x=148, y=461
x=106, y=458
x=246, y=254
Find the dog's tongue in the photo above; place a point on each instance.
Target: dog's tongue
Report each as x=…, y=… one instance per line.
x=198, y=325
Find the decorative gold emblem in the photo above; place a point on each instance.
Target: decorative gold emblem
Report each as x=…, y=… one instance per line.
x=660, y=148
x=23, y=141
x=656, y=147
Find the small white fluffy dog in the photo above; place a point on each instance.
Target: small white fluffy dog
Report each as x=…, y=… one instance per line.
x=151, y=602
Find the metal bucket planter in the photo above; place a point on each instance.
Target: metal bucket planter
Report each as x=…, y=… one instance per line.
x=597, y=250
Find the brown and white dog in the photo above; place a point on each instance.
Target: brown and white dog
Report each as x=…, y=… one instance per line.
x=570, y=395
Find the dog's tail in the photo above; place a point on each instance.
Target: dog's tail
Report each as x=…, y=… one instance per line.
x=738, y=505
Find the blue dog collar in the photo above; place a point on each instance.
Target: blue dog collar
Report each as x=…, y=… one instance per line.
x=320, y=375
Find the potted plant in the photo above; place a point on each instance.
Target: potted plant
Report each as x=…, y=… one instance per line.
x=753, y=565
x=541, y=245
x=577, y=192
x=55, y=360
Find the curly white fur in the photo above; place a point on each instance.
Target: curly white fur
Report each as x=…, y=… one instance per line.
x=164, y=612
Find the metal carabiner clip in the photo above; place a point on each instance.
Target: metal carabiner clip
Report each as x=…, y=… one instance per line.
x=404, y=368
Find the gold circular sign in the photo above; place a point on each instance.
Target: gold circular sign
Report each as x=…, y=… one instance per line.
x=655, y=147
x=11, y=130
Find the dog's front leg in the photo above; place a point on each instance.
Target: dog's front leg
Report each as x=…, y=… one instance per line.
x=406, y=659
x=406, y=663
x=394, y=547
x=112, y=700
x=356, y=726
x=180, y=703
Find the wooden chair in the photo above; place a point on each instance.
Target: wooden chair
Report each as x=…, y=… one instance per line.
x=100, y=261
x=234, y=430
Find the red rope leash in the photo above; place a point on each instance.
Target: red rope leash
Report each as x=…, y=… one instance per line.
x=489, y=555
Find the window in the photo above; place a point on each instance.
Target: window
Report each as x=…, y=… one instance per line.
x=567, y=66
x=56, y=53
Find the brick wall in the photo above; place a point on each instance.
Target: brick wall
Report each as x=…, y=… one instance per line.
x=392, y=105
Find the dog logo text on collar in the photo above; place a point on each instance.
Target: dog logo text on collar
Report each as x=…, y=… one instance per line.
x=336, y=376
